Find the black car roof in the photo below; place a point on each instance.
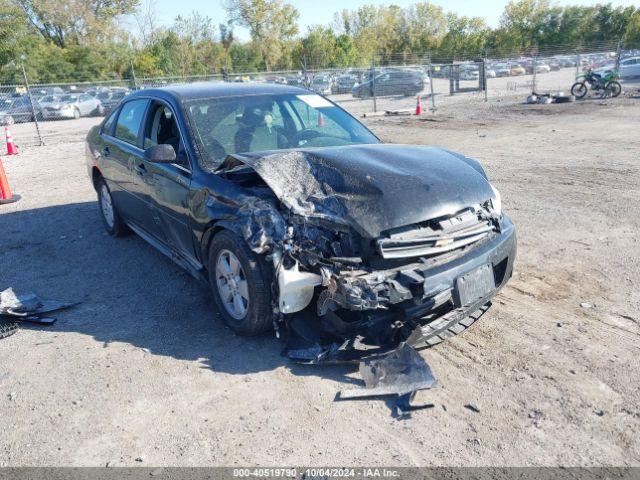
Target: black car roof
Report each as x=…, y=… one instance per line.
x=211, y=89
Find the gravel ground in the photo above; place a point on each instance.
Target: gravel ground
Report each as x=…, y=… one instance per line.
x=143, y=372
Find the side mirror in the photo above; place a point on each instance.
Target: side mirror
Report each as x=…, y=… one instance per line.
x=160, y=154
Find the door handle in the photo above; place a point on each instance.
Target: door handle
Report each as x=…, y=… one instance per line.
x=141, y=170
x=106, y=152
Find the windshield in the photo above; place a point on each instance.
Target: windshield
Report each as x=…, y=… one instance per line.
x=253, y=123
x=68, y=98
x=48, y=99
x=104, y=95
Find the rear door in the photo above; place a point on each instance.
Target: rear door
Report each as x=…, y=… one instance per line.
x=169, y=182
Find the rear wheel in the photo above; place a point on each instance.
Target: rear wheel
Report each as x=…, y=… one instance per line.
x=613, y=89
x=579, y=90
x=240, y=282
x=110, y=217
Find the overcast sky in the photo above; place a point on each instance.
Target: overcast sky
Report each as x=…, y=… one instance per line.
x=313, y=12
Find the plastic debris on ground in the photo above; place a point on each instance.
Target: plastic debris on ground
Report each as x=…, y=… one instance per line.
x=28, y=307
x=402, y=373
x=547, y=98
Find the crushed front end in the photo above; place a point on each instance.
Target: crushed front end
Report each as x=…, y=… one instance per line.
x=372, y=246
x=342, y=297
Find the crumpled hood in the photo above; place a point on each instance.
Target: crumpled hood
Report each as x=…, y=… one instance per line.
x=371, y=188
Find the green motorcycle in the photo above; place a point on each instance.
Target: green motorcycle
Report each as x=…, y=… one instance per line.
x=607, y=85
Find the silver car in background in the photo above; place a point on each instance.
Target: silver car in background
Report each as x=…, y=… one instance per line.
x=73, y=106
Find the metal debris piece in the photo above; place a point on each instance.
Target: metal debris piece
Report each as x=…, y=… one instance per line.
x=39, y=320
x=473, y=407
x=401, y=372
x=29, y=307
x=404, y=405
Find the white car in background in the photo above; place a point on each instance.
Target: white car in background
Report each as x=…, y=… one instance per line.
x=73, y=106
x=543, y=68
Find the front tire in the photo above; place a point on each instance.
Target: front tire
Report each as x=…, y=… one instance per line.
x=579, y=90
x=113, y=224
x=240, y=282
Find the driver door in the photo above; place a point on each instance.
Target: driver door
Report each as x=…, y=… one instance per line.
x=170, y=182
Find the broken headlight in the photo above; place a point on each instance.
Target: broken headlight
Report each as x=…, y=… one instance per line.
x=496, y=201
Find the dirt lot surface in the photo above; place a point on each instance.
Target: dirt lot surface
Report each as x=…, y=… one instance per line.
x=143, y=372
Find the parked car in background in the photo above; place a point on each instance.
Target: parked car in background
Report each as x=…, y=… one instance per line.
x=629, y=68
x=297, y=81
x=73, y=106
x=440, y=71
x=314, y=228
x=344, y=84
x=393, y=82
x=321, y=84
x=542, y=68
x=501, y=69
x=516, y=69
x=566, y=62
x=554, y=64
x=45, y=102
x=111, y=98
x=469, y=72
x=17, y=110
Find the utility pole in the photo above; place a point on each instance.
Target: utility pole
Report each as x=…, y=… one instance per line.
x=618, y=53
x=33, y=110
x=133, y=75
x=373, y=83
x=433, y=98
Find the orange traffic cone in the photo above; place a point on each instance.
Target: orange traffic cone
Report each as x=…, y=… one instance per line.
x=11, y=147
x=320, y=120
x=419, y=106
x=5, y=190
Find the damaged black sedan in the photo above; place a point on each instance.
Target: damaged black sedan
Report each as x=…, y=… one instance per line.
x=300, y=219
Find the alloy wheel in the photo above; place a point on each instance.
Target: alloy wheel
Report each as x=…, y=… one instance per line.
x=106, y=206
x=232, y=284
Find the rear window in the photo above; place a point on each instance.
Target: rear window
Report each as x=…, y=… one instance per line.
x=130, y=121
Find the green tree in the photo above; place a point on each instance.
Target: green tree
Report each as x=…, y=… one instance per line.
x=632, y=32
x=271, y=24
x=523, y=21
x=74, y=21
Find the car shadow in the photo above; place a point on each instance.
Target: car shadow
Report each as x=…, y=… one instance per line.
x=129, y=293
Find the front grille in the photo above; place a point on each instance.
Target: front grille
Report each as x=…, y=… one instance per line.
x=437, y=236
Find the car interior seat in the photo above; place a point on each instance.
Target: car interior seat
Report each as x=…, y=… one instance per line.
x=256, y=134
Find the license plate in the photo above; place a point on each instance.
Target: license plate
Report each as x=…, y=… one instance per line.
x=476, y=284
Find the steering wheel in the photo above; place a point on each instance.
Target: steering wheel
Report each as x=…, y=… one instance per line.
x=306, y=134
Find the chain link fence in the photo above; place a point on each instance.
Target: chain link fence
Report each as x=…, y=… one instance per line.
x=387, y=84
